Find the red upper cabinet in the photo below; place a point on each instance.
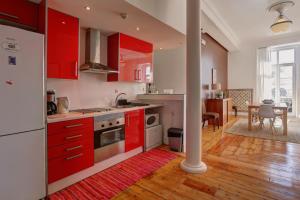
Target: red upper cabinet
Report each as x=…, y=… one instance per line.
x=63, y=44
x=133, y=58
x=134, y=129
x=21, y=13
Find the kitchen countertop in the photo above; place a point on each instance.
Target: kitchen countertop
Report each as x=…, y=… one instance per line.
x=166, y=97
x=79, y=115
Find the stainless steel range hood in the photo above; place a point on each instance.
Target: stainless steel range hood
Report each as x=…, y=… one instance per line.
x=92, y=54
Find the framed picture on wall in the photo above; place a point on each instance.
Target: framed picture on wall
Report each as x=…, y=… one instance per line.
x=214, y=76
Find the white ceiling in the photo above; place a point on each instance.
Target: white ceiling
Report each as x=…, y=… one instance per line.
x=251, y=21
x=104, y=15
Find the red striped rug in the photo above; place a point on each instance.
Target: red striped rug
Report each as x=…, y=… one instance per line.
x=106, y=184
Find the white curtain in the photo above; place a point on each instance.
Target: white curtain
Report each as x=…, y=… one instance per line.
x=264, y=82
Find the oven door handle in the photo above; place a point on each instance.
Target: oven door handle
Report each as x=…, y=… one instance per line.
x=117, y=129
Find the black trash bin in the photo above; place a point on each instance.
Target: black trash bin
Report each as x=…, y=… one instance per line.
x=175, y=139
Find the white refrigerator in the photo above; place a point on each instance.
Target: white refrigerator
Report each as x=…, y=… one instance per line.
x=22, y=119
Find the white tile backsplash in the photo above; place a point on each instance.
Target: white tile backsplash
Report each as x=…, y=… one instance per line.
x=92, y=90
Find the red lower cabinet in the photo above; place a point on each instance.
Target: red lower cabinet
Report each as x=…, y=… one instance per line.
x=134, y=129
x=70, y=147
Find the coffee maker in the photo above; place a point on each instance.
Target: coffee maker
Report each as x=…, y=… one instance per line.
x=51, y=106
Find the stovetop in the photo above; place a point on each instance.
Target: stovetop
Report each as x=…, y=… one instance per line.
x=92, y=110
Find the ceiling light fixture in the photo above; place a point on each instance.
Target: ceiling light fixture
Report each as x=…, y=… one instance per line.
x=160, y=48
x=282, y=23
x=138, y=28
x=88, y=8
x=124, y=15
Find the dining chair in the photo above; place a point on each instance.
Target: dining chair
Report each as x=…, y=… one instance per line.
x=254, y=113
x=267, y=112
x=215, y=117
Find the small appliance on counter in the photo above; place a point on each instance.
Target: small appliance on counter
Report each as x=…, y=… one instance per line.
x=152, y=120
x=51, y=106
x=62, y=105
x=154, y=135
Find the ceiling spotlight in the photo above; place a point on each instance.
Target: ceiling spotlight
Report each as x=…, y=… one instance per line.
x=138, y=28
x=88, y=8
x=282, y=23
x=160, y=48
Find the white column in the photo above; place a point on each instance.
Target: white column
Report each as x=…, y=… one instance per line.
x=193, y=163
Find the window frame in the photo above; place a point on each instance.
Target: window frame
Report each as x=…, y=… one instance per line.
x=278, y=66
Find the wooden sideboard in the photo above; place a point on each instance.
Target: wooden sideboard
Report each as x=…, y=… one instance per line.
x=221, y=106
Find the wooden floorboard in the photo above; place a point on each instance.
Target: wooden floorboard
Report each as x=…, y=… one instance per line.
x=238, y=168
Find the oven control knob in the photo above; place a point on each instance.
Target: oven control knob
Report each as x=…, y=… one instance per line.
x=118, y=122
x=102, y=125
x=110, y=124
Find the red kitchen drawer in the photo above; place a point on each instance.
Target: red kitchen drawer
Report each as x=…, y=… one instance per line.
x=64, y=166
x=69, y=131
x=71, y=126
x=70, y=148
x=67, y=137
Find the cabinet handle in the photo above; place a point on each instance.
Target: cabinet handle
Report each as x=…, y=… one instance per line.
x=76, y=69
x=135, y=76
x=9, y=15
x=73, y=137
x=140, y=74
x=117, y=129
x=128, y=120
x=74, y=148
x=73, y=126
x=73, y=157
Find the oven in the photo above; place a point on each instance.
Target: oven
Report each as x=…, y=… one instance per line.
x=109, y=135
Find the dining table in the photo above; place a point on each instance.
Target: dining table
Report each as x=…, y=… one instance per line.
x=283, y=109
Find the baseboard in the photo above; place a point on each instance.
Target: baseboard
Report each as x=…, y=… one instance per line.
x=70, y=180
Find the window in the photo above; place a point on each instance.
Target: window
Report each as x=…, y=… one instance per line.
x=282, y=84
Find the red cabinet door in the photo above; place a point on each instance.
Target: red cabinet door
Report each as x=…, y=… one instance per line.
x=132, y=57
x=134, y=129
x=24, y=13
x=63, y=39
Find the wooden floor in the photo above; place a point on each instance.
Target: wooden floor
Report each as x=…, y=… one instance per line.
x=238, y=168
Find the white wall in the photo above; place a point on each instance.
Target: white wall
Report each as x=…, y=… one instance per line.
x=173, y=13
x=242, y=63
x=92, y=90
x=170, y=12
x=170, y=70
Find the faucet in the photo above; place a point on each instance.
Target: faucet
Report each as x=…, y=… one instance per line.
x=117, y=98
